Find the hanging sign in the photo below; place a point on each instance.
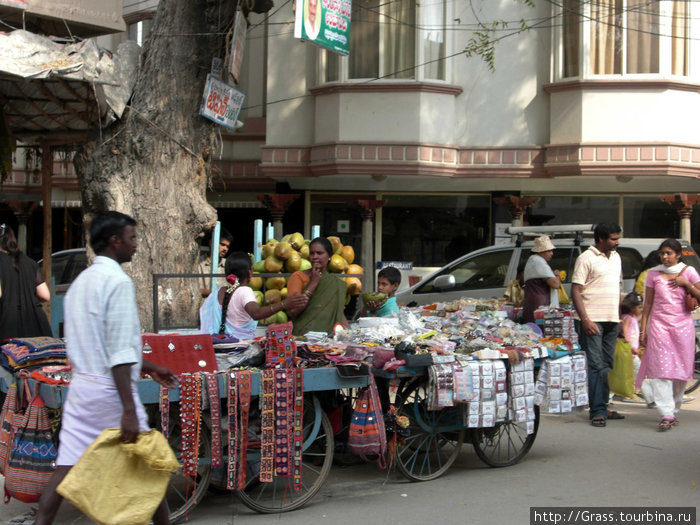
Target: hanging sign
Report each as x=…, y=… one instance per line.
x=221, y=103
x=240, y=29
x=326, y=23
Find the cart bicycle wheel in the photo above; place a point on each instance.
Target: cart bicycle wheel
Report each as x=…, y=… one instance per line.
x=694, y=383
x=184, y=492
x=428, y=451
x=317, y=458
x=505, y=444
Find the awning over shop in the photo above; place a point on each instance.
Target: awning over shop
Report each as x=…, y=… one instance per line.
x=52, y=92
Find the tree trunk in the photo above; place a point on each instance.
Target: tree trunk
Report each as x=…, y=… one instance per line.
x=154, y=163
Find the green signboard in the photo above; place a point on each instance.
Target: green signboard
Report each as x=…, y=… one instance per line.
x=326, y=23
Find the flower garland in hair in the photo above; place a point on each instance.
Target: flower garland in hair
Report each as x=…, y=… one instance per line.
x=233, y=283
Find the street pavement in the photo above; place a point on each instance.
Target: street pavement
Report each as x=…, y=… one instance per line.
x=627, y=463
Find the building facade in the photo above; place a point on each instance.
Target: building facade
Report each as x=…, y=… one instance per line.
x=589, y=115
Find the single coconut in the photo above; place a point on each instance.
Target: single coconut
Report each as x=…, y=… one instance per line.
x=354, y=285
x=296, y=240
x=256, y=283
x=347, y=253
x=273, y=296
x=275, y=283
x=336, y=264
x=273, y=264
x=283, y=250
x=293, y=262
x=355, y=269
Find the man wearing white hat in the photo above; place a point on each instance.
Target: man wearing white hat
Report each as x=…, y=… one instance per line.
x=595, y=291
x=541, y=283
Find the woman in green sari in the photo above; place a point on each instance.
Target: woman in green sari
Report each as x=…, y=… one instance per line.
x=325, y=293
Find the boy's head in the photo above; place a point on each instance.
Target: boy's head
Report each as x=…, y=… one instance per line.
x=388, y=280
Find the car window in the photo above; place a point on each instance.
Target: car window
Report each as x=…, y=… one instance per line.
x=632, y=262
x=562, y=259
x=58, y=268
x=77, y=265
x=487, y=270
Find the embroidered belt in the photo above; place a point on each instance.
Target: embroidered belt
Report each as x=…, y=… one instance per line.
x=164, y=402
x=232, y=431
x=298, y=426
x=215, y=412
x=190, y=404
x=282, y=427
x=267, y=438
x=244, y=392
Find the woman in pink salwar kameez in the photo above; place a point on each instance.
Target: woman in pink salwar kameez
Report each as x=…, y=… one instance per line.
x=668, y=332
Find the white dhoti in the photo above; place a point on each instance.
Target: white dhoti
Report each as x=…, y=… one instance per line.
x=92, y=405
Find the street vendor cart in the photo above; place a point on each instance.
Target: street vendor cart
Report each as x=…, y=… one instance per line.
x=184, y=492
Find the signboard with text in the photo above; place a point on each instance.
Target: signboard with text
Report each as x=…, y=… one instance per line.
x=221, y=103
x=240, y=29
x=325, y=23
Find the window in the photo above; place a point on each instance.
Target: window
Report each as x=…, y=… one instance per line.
x=562, y=259
x=432, y=230
x=397, y=39
x=624, y=37
x=580, y=209
x=487, y=270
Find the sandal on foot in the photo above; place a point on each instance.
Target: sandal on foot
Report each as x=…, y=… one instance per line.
x=674, y=422
x=665, y=424
x=615, y=415
x=598, y=421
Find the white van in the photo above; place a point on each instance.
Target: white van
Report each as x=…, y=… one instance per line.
x=485, y=273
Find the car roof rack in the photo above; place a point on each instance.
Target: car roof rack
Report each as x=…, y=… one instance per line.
x=577, y=230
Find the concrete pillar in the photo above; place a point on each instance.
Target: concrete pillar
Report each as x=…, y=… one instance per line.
x=367, y=208
x=516, y=205
x=23, y=211
x=683, y=203
x=277, y=204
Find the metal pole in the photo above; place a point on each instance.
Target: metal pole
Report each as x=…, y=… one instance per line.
x=214, y=256
x=257, y=239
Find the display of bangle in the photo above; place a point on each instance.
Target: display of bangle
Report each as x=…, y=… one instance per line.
x=308, y=293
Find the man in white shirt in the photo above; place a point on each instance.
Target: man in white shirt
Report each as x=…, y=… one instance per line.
x=103, y=344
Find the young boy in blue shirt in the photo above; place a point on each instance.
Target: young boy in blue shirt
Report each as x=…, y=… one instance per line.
x=388, y=281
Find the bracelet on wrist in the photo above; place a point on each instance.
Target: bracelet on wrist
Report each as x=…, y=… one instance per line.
x=308, y=293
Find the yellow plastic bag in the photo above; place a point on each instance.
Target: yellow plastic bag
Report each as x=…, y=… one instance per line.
x=621, y=377
x=117, y=483
x=563, y=297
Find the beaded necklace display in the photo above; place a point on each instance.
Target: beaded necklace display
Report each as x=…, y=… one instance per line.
x=190, y=404
x=215, y=412
x=298, y=426
x=267, y=438
x=244, y=392
x=232, y=431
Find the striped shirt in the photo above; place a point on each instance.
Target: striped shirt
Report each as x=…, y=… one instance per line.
x=101, y=320
x=600, y=278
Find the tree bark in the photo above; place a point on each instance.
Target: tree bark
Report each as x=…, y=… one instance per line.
x=154, y=163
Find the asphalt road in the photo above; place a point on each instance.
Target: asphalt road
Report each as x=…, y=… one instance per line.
x=571, y=463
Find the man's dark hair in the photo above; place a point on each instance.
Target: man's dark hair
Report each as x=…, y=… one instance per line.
x=391, y=274
x=604, y=230
x=105, y=225
x=225, y=234
x=238, y=264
